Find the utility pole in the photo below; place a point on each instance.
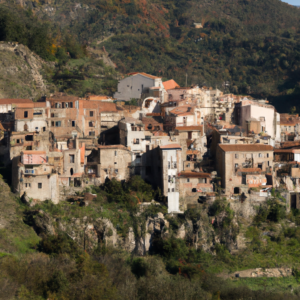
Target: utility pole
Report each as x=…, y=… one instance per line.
x=186, y=75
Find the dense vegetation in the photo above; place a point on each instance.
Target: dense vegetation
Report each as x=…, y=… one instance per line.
x=57, y=267
x=251, y=45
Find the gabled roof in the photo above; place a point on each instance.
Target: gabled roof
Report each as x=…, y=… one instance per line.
x=170, y=146
x=170, y=84
x=143, y=74
x=245, y=148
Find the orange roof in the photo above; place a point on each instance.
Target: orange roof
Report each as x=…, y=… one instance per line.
x=245, y=147
x=189, y=128
x=24, y=105
x=33, y=152
x=250, y=170
x=194, y=174
x=192, y=152
x=170, y=84
x=171, y=146
x=144, y=74
x=11, y=101
x=39, y=104
x=97, y=97
x=77, y=174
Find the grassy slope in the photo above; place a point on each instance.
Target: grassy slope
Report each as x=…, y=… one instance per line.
x=15, y=236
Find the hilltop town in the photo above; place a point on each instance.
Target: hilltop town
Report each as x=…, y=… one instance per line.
x=192, y=143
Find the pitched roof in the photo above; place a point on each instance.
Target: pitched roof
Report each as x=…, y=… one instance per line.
x=170, y=146
x=144, y=74
x=286, y=151
x=187, y=174
x=11, y=101
x=245, y=147
x=170, y=84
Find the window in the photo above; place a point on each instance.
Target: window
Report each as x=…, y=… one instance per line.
x=92, y=133
x=56, y=158
x=259, y=166
x=91, y=113
x=115, y=162
x=40, y=185
x=71, y=104
x=91, y=124
x=173, y=189
x=28, y=185
x=73, y=123
x=116, y=171
x=25, y=114
x=36, y=128
x=236, y=156
x=72, y=158
x=115, y=153
x=188, y=180
x=136, y=141
x=236, y=166
x=52, y=124
x=188, y=165
x=169, y=165
x=58, y=124
x=201, y=180
x=169, y=178
x=267, y=154
x=168, y=190
x=259, y=155
x=18, y=141
x=44, y=128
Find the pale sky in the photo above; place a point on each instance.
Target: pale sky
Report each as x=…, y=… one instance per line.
x=293, y=2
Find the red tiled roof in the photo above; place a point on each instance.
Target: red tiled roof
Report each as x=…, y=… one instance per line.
x=170, y=84
x=194, y=174
x=24, y=105
x=144, y=74
x=11, y=101
x=39, y=104
x=192, y=152
x=245, y=147
x=250, y=170
x=33, y=152
x=171, y=146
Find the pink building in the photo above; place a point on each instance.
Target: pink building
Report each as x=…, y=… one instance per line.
x=33, y=157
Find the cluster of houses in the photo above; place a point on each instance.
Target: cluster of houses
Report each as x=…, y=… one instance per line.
x=190, y=142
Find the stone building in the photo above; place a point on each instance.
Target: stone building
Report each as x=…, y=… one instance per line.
x=136, y=84
x=171, y=165
x=33, y=175
x=244, y=166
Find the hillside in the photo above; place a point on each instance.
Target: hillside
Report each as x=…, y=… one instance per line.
x=254, y=45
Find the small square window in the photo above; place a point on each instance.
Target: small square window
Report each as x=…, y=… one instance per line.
x=91, y=113
x=39, y=185
x=72, y=158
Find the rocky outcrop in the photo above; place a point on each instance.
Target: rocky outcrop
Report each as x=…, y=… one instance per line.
x=23, y=70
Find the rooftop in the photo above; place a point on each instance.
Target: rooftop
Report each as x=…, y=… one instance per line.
x=170, y=146
x=245, y=148
x=250, y=170
x=112, y=147
x=170, y=84
x=143, y=74
x=34, y=152
x=182, y=111
x=12, y=101
x=189, y=128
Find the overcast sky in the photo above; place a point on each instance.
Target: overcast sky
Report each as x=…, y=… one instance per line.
x=293, y=2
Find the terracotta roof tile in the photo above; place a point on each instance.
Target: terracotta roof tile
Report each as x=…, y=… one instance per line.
x=250, y=170
x=245, y=147
x=182, y=111
x=144, y=74
x=170, y=84
x=170, y=146
x=13, y=101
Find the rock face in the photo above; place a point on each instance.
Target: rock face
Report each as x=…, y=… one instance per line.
x=22, y=69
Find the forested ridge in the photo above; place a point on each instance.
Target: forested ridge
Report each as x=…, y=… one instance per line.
x=254, y=45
